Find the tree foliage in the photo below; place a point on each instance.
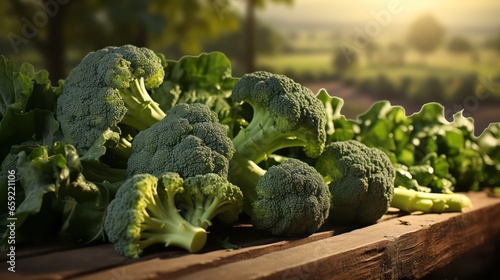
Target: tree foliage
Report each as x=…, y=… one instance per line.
x=459, y=45
x=53, y=30
x=425, y=34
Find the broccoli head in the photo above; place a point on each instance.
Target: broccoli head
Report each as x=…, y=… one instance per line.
x=189, y=141
x=108, y=90
x=144, y=213
x=361, y=181
x=210, y=196
x=289, y=199
x=285, y=114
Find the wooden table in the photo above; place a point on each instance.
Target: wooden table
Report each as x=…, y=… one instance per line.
x=398, y=246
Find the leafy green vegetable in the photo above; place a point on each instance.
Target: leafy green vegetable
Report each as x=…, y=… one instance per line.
x=428, y=151
x=27, y=103
x=205, y=78
x=56, y=197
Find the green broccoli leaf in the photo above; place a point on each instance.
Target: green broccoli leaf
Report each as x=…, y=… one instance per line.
x=15, y=88
x=27, y=103
x=338, y=127
x=202, y=79
x=84, y=222
x=56, y=194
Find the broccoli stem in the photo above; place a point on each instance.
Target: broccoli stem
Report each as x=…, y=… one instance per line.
x=163, y=223
x=261, y=138
x=410, y=201
x=174, y=231
x=214, y=205
x=124, y=149
x=142, y=111
x=245, y=174
x=194, y=216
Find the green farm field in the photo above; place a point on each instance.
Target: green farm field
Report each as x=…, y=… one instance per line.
x=449, y=69
x=440, y=64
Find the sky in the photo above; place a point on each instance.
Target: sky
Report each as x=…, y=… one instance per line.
x=451, y=13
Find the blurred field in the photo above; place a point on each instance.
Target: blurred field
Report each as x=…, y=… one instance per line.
x=403, y=84
x=440, y=64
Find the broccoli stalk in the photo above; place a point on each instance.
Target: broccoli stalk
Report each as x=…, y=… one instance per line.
x=123, y=149
x=261, y=137
x=208, y=196
x=246, y=174
x=144, y=213
x=411, y=200
x=163, y=223
x=142, y=111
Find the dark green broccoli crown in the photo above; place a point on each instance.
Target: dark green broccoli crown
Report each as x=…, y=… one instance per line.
x=127, y=211
x=292, y=109
x=91, y=101
x=292, y=199
x=188, y=141
x=361, y=181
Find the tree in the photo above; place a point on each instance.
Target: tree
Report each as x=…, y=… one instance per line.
x=250, y=30
x=344, y=57
x=494, y=43
x=396, y=54
x=268, y=42
x=55, y=28
x=370, y=50
x=459, y=45
x=425, y=34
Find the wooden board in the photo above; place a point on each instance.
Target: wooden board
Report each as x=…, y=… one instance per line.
x=408, y=246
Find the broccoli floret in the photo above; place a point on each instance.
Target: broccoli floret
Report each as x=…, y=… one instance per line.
x=411, y=200
x=360, y=179
x=208, y=196
x=189, y=141
x=107, y=90
x=144, y=213
x=289, y=199
x=285, y=114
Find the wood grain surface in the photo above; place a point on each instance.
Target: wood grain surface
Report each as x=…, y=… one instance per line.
x=397, y=247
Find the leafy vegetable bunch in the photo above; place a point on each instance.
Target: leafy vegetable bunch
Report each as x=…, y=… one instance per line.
x=430, y=151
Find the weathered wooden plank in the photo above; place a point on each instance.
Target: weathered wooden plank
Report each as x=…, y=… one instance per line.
x=70, y=263
x=392, y=248
x=388, y=250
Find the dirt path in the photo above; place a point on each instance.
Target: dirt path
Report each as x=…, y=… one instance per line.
x=356, y=102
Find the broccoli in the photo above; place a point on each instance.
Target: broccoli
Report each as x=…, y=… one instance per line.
x=108, y=90
x=208, y=196
x=144, y=213
x=289, y=199
x=360, y=179
x=189, y=141
x=285, y=114
x=411, y=200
